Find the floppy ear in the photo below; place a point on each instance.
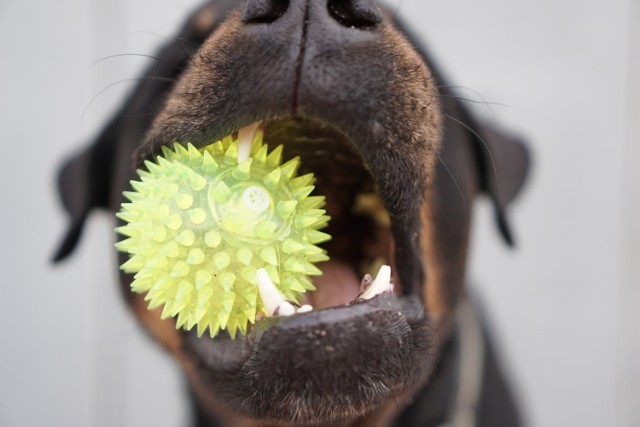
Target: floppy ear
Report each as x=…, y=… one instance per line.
x=85, y=181
x=503, y=164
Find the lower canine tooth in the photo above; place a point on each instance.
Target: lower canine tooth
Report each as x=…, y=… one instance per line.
x=285, y=309
x=381, y=284
x=271, y=297
x=305, y=309
x=273, y=300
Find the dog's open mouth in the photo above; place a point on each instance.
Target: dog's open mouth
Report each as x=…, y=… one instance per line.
x=356, y=340
x=362, y=244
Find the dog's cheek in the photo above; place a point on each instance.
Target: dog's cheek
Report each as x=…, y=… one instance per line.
x=445, y=217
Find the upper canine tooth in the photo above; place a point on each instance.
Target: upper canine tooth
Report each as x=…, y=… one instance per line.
x=381, y=284
x=245, y=141
x=271, y=296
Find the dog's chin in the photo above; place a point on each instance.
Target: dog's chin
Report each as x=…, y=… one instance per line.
x=359, y=347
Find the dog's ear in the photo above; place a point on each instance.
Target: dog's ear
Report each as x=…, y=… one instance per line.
x=83, y=184
x=503, y=165
x=85, y=181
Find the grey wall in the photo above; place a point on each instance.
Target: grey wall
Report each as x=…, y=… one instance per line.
x=564, y=305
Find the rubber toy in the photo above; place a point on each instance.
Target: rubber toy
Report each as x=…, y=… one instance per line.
x=201, y=222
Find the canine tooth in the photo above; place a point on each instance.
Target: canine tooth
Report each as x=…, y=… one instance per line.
x=273, y=300
x=381, y=284
x=271, y=297
x=245, y=141
x=285, y=309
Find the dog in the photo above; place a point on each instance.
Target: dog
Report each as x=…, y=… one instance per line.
x=345, y=85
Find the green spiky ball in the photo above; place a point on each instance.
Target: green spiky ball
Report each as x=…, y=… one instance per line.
x=200, y=223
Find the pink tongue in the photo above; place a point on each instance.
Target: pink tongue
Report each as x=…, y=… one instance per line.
x=338, y=285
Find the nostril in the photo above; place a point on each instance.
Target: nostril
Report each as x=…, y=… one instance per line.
x=355, y=13
x=264, y=11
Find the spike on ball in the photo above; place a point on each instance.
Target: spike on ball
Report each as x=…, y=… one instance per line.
x=200, y=223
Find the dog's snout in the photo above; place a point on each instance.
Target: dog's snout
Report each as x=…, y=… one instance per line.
x=349, y=13
x=264, y=11
x=355, y=13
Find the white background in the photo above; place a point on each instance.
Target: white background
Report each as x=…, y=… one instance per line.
x=564, y=305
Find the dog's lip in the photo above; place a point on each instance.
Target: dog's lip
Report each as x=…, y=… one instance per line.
x=403, y=305
x=222, y=355
x=360, y=355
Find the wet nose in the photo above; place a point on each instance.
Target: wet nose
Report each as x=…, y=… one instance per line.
x=356, y=14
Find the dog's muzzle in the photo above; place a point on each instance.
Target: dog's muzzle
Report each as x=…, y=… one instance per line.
x=335, y=83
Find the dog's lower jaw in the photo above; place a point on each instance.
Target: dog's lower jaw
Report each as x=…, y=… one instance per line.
x=210, y=410
x=319, y=368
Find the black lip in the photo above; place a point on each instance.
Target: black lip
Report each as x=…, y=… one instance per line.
x=380, y=345
x=223, y=354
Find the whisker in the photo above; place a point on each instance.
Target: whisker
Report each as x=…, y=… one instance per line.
x=455, y=181
x=486, y=146
x=475, y=101
x=134, y=54
x=475, y=92
x=181, y=42
x=152, y=78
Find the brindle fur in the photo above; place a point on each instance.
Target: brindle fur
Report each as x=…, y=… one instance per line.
x=236, y=64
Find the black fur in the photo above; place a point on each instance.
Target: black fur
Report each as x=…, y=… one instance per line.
x=347, y=65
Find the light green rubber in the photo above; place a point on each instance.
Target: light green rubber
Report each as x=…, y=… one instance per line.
x=200, y=223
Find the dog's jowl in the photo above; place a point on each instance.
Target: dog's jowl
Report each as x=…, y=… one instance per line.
x=399, y=158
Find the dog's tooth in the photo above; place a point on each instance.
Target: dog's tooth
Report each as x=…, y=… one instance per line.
x=271, y=297
x=273, y=300
x=381, y=284
x=286, y=309
x=245, y=141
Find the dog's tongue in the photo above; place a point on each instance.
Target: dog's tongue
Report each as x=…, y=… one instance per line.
x=338, y=285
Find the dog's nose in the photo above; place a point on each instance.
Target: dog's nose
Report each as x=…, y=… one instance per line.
x=264, y=11
x=355, y=13
x=349, y=13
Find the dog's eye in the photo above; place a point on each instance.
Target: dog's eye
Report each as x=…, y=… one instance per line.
x=355, y=13
x=264, y=11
